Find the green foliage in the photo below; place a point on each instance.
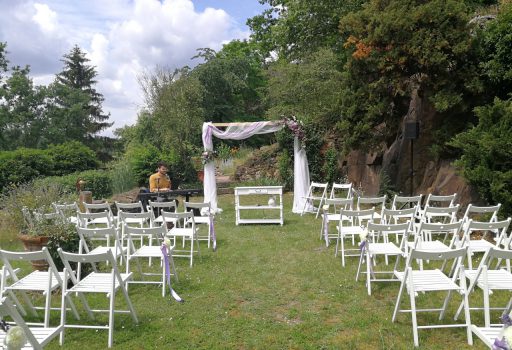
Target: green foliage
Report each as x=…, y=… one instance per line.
x=71, y=157
x=23, y=165
x=33, y=195
x=223, y=151
x=60, y=235
x=99, y=182
x=330, y=168
x=143, y=160
x=486, y=160
x=285, y=167
x=386, y=186
x=122, y=177
x=399, y=47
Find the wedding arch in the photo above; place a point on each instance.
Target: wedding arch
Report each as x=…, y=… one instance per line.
x=241, y=131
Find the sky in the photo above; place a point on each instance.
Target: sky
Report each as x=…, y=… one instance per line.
x=122, y=39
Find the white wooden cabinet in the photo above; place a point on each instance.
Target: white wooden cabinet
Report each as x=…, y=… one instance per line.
x=257, y=199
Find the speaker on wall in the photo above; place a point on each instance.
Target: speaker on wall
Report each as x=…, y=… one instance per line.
x=411, y=130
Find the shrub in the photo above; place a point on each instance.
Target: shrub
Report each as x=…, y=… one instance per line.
x=23, y=165
x=71, y=157
x=122, y=177
x=486, y=161
x=330, y=167
x=285, y=167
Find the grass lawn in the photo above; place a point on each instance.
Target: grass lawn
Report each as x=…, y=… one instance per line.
x=270, y=287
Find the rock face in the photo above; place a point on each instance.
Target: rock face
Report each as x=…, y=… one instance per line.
x=261, y=164
x=429, y=175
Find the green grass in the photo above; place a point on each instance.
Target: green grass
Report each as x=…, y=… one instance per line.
x=269, y=287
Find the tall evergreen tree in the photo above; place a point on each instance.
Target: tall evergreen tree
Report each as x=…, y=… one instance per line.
x=77, y=105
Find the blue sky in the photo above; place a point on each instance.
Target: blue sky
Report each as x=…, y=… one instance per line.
x=122, y=38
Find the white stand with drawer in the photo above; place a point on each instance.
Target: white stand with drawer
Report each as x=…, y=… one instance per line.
x=266, y=192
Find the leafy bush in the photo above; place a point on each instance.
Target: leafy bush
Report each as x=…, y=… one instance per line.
x=33, y=195
x=23, y=165
x=330, y=168
x=486, y=161
x=99, y=182
x=285, y=167
x=71, y=157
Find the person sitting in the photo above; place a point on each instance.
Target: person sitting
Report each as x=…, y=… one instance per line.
x=160, y=181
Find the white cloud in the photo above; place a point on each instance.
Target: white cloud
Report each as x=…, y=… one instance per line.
x=122, y=38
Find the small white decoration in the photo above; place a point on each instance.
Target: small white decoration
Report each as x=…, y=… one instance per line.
x=363, y=235
x=167, y=242
x=15, y=338
x=272, y=201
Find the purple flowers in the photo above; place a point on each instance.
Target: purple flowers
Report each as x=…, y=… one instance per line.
x=296, y=127
x=208, y=156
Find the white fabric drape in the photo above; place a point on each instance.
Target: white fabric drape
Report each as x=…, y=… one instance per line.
x=241, y=131
x=300, y=176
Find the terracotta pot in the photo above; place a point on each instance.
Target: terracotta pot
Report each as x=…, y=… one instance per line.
x=35, y=243
x=200, y=175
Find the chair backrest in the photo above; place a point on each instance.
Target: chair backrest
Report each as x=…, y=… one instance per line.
x=440, y=201
x=98, y=207
x=85, y=218
x=199, y=209
x=145, y=216
x=7, y=308
x=97, y=233
x=341, y=203
x=498, y=227
x=341, y=191
x=157, y=232
x=8, y=256
x=401, y=202
x=440, y=214
x=458, y=254
x=494, y=253
x=181, y=219
x=317, y=189
x=67, y=211
x=157, y=207
x=395, y=216
x=356, y=217
x=92, y=259
x=478, y=212
x=129, y=207
x=383, y=230
x=426, y=230
x=379, y=203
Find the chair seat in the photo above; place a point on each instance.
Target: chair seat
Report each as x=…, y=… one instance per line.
x=100, y=221
x=429, y=280
x=148, y=251
x=37, y=280
x=429, y=246
x=160, y=220
x=384, y=248
x=496, y=279
x=200, y=220
x=42, y=335
x=180, y=232
x=102, y=249
x=487, y=334
x=98, y=282
x=479, y=245
x=350, y=230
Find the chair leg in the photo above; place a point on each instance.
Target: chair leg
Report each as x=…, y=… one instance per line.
x=343, y=251
x=359, y=266
x=368, y=272
x=398, y=299
x=111, y=318
x=413, y=315
x=466, y=307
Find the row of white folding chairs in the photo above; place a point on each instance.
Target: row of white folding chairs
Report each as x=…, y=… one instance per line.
x=318, y=192
x=425, y=280
x=47, y=282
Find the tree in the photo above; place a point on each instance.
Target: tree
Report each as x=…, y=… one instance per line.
x=76, y=106
x=399, y=47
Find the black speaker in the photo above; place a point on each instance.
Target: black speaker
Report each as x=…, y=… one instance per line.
x=412, y=130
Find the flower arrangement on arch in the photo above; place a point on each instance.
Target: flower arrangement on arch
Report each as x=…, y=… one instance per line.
x=504, y=340
x=296, y=127
x=208, y=156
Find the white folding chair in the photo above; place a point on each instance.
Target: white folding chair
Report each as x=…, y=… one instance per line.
x=378, y=203
x=371, y=248
x=105, y=283
x=186, y=229
x=481, y=213
x=109, y=219
x=156, y=209
x=316, y=192
x=422, y=281
x=482, y=245
x=423, y=238
x=400, y=216
x=342, y=191
x=350, y=228
x=490, y=280
x=44, y=282
x=149, y=252
x=203, y=216
x=438, y=201
x=143, y=219
x=98, y=219
x=133, y=208
x=330, y=213
x=68, y=212
x=37, y=337
x=402, y=202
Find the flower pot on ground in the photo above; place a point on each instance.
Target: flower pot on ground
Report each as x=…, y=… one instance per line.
x=200, y=175
x=35, y=243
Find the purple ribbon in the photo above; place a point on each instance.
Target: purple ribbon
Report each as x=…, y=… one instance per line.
x=362, y=245
x=212, y=232
x=500, y=344
x=168, y=273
